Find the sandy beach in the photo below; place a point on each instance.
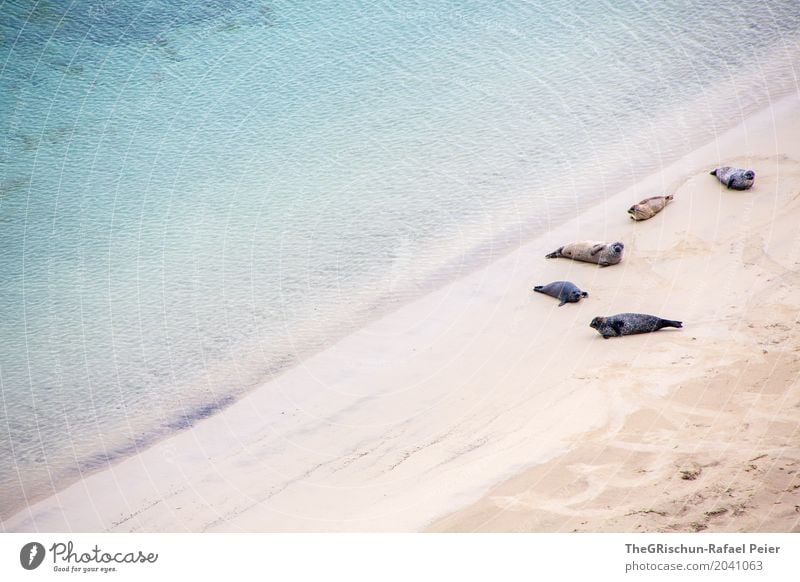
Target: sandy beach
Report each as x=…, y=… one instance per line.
x=486, y=407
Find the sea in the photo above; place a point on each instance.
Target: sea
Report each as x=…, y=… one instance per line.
x=197, y=195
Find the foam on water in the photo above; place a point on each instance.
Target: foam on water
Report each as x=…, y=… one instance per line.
x=196, y=197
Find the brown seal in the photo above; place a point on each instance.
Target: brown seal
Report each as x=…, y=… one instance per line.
x=590, y=251
x=649, y=207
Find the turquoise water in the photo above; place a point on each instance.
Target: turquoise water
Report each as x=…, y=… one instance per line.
x=195, y=196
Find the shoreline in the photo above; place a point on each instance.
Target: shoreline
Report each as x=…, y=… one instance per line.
x=462, y=391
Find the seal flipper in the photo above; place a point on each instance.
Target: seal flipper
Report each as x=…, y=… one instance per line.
x=617, y=327
x=596, y=249
x=563, y=301
x=584, y=294
x=669, y=323
x=539, y=288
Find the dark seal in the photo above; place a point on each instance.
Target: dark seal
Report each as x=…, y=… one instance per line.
x=735, y=178
x=564, y=291
x=629, y=324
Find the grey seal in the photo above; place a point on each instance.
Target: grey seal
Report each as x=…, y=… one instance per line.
x=564, y=291
x=735, y=178
x=649, y=207
x=590, y=251
x=630, y=323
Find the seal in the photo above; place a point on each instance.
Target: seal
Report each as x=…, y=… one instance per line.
x=629, y=324
x=735, y=178
x=590, y=251
x=564, y=291
x=649, y=207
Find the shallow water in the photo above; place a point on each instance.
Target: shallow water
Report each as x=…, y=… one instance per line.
x=193, y=199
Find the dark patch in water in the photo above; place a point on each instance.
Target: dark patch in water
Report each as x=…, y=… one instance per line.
x=103, y=460
x=8, y=186
x=115, y=22
x=27, y=142
x=68, y=67
x=199, y=413
x=50, y=135
x=281, y=364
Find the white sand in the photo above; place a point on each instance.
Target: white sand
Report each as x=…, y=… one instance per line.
x=426, y=410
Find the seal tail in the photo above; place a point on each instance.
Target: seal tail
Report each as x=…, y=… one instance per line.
x=539, y=288
x=584, y=294
x=555, y=254
x=669, y=323
x=713, y=172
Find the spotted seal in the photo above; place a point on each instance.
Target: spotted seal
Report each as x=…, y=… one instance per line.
x=630, y=323
x=735, y=178
x=649, y=207
x=564, y=291
x=604, y=254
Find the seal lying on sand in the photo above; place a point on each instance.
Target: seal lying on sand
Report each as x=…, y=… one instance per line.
x=735, y=178
x=565, y=291
x=604, y=254
x=630, y=323
x=649, y=207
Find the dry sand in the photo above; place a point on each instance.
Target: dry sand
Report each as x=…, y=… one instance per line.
x=482, y=382
x=717, y=449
